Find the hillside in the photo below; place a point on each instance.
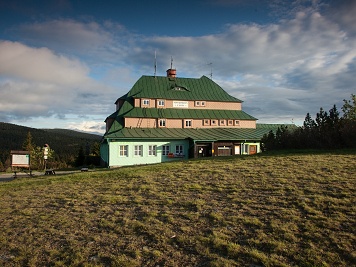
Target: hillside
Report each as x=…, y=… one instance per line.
x=64, y=142
x=262, y=210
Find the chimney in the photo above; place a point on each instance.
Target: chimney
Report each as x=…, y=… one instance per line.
x=171, y=73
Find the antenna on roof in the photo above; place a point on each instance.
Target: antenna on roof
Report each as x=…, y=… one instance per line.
x=211, y=70
x=155, y=64
x=171, y=62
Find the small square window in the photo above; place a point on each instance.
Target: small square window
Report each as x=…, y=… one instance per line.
x=123, y=150
x=222, y=122
x=179, y=149
x=197, y=103
x=213, y=122
x=237, y=123
x=188, y=123
x=202, y=103
x=152, y=150
x=138, y=150
x=146, y=102
x=165, y=150
x=230, y=122
x=206, y=122
x=161, y=103
x=162, y=123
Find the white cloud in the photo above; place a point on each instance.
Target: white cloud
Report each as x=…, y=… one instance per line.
x=37, y=82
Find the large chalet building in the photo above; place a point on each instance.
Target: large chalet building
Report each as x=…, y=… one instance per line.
x=165, y=118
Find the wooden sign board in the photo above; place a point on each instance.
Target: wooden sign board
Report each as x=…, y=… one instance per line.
x=20, y=159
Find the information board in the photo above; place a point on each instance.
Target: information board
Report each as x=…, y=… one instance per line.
x=20, y=160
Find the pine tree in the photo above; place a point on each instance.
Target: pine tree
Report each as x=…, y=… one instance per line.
x=28, y=144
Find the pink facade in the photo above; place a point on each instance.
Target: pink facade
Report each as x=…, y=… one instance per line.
x=164, y=103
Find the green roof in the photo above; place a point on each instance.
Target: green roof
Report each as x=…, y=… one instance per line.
x=199, y=134
x=180, y=88
x=171, y=113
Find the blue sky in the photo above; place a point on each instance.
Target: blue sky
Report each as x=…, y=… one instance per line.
x=64, y=63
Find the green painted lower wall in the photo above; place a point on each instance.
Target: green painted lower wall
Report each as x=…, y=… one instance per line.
x=114, y=159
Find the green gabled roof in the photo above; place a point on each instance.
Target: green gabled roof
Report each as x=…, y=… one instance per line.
x=207, y=134
x=171, y=113
x=191, y=89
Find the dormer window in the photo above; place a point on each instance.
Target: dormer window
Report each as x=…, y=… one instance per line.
x=145, y=102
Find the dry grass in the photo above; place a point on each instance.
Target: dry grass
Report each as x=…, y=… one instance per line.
x=292, y=210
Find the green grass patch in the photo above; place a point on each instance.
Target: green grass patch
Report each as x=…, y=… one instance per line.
x=290, y=209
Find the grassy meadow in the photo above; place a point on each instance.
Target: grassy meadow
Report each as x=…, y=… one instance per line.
x=263, y=210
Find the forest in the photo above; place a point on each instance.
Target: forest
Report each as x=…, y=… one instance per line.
x=67, y=148
x=329, y=130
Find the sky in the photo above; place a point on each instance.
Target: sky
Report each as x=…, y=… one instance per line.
x=64, y=63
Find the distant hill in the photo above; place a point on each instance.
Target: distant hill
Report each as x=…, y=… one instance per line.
x=65, y=143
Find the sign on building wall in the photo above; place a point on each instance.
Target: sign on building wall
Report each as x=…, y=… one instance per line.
x=180, y=104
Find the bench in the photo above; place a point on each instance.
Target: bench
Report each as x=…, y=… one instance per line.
x=50, y=172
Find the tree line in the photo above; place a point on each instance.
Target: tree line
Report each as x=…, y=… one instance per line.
x=328, y=130
x=67, y=148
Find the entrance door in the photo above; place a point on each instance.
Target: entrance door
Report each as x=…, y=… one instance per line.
x=237, y=150
x=253, y=149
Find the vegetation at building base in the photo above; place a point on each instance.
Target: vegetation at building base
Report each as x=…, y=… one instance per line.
x=65, y=146
x=261, y=210
x=327, y=131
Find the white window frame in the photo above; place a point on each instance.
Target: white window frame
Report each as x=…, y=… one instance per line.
x=152, y=150
x=206, y=122
x=214, y=122
x=145, y=102
x=165, y=150
x=197, y=103
x=179, y=149
x=162, y=123
x=161, y=103
x=188, y=123
x=202, y=103
x=230, y=122
x=138, y=150
x=123, y=150
x=237, y=123
x=222, y=122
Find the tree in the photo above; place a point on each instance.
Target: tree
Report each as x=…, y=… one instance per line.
x=349, y=108
x=28, y=144
x=79, y=161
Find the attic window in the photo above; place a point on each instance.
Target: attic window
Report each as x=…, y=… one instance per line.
x=177, y=87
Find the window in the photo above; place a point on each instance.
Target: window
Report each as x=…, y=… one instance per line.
x=161, y=103
x=237, y=122
x=179, y=149
x=146, y=102
x=202, y=103
x=165, y=150
x=138, y=150
x=152, y=149
x=213, y=122
x=206, y=122
x=197, y=103
x=162, y=123
x=230, y=122
x=188, y=123
x=222, y=123
x=123, y=151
